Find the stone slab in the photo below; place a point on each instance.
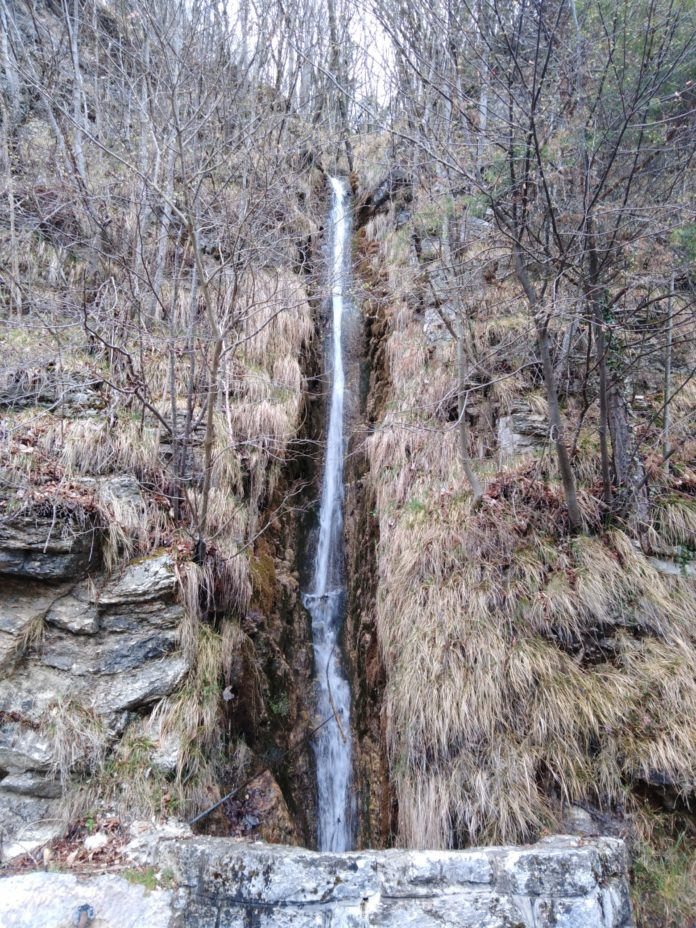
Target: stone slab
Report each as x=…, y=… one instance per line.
x=51, y=900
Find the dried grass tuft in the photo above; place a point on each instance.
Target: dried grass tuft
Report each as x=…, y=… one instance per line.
x=524, y=668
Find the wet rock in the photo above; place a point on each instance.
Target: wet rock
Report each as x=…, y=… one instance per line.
x=50, y=900
x=261, y=809
x=46, y=548
x=378, y=199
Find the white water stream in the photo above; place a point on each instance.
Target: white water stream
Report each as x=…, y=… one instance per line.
x=326, y=601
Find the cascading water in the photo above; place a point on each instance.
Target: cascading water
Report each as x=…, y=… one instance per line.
x=326, y=600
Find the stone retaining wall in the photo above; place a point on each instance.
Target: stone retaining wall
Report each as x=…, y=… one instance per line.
x=222, y=883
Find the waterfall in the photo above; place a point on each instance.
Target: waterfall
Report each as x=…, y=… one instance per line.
x=326, y=601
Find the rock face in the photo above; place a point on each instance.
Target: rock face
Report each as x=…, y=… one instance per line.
x=561, y=882
x=521, y=432
x=46, y=548
x=75, y=651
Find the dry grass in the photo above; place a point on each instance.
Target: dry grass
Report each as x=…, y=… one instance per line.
x=521, y=665
x=194, y=715
x=663, y=877
x=79, y=740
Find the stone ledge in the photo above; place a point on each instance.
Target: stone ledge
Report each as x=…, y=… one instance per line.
x=560, y=882
x=566, y=882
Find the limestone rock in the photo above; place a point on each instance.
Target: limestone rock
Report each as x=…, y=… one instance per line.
x=27, y=840
x=133, y=616
x=674, y=567
x=559, y=883
x=96, y=841
x=143, y=848
x=140, y=686
x=121, y=495
x=166, y=745
x=50, y=900
x=27, y=694
x=429, y=248
x=434, y=327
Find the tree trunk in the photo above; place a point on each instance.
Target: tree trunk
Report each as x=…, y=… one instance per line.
x=555, y=421
x=629, y=472
x=596, y=298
